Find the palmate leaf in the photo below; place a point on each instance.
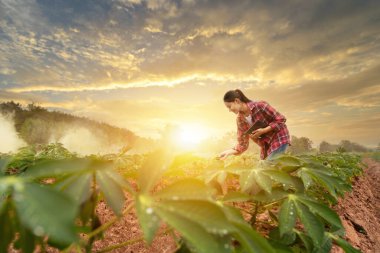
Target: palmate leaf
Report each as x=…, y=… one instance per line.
x=206, y=225
x=263, y=181
x=322, y=210
x=204, y=212
x=333, y=184
x=112, y=191
x=312, y=224
x=152, y=169
x=309, y=211
x=287, y=216
x=46, y=212
x=148, y=219
x=195, y=234
x=57, y=168
x=76, y=186
x=288, y=163
x=279, y=176
x=307, y=242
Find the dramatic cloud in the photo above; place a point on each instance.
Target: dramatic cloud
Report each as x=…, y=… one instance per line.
x=316, y=61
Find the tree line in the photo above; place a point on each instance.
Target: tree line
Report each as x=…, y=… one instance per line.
x=301, y=145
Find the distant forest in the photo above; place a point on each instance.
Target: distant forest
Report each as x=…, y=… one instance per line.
x=36, y=125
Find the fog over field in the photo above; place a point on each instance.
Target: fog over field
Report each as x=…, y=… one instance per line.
x=10, y=141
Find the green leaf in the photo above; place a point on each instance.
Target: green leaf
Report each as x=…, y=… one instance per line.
x=26, y=240
x=306, y=179
x=248, y=183
x=251, y=241
x=77, y=187
x=87, y=208
x=46, y=212
x=237, y=197
x=345, y=245
x=186, y=189
x=112, y=191
x=285, y=239
x=205, y=213
x=287, y=216
x=308, y=243
x=4, y=164
x=280, y=248
x=148, y=219
x=194, y=233
x=323, y=211
x=325, y=246
x=57, y=168
x=7, y=231
x=333, y=184
x=288, y=163
x=276, y=195
x=264, y=181
x=279, y=176
x=155, y=164
x=312, y=225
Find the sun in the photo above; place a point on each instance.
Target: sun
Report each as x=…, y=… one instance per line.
x=190, y=135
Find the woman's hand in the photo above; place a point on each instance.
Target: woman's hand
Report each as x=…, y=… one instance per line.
x=257, y=133
x=227, y=153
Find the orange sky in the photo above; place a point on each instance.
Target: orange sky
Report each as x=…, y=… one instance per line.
x=145, y=64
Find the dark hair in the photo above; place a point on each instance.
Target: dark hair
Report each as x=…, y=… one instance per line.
x=231, y=95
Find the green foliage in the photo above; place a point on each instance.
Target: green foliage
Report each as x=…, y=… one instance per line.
x=294, y=190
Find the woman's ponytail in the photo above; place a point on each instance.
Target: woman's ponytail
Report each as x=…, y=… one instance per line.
x=231, y=95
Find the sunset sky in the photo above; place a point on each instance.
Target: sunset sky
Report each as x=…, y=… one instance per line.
x=144, y=64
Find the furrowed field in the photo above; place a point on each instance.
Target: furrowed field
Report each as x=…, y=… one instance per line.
x=52, y=200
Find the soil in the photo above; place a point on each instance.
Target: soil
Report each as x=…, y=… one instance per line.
x=359, y=211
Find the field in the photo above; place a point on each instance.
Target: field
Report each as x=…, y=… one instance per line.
x=54, y=201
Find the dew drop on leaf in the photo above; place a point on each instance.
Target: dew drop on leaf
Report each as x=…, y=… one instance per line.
x=38, y=231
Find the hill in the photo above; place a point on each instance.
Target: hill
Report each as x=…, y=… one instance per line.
x=37, y=125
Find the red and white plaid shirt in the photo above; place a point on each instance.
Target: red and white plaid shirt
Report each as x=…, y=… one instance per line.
x=262, y=111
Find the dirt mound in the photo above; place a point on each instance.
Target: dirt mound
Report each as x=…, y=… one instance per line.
x=359, y=210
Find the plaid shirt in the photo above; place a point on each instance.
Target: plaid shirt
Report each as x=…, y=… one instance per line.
x=269, y=142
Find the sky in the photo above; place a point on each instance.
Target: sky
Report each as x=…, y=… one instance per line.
x=144, y=64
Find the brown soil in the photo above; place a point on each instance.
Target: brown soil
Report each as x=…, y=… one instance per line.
x=359, y=211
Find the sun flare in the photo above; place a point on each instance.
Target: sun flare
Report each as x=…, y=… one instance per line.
x=189, y=136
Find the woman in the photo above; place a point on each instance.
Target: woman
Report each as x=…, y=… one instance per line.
x=271, y=134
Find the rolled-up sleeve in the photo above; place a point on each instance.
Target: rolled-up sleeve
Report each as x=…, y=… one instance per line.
x=276, y=119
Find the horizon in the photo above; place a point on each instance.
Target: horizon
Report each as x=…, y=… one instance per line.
x=143, y=65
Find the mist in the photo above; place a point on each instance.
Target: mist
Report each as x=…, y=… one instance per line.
x=84, y=142
x=10, y=141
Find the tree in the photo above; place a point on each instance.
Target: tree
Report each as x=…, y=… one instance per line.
x=352, y=146
x=324, y=146
x=300, y=145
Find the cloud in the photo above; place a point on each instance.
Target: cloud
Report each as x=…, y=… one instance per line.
x=86, y=56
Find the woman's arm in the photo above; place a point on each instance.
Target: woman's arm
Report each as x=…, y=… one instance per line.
x=242, y=141
x=276, y=119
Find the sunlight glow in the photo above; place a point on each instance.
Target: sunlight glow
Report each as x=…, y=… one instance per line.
x=189, y=136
